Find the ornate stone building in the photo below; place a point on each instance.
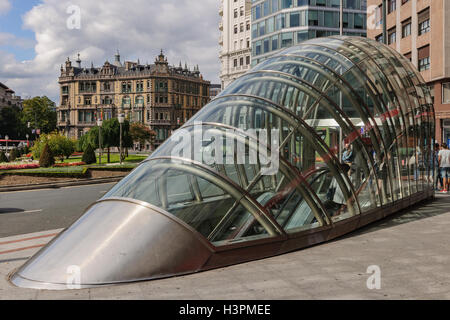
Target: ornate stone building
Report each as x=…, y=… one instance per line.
x=160, y=96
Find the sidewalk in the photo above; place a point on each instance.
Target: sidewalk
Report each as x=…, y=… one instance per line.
x=411, y=250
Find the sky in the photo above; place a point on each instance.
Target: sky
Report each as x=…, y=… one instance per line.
x=37, y=36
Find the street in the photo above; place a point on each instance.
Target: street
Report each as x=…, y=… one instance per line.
x=410, y=249
x=39, y=210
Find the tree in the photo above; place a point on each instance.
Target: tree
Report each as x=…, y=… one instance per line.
x=3, y=157
x=13, y=155
x=89, y=155
x=141, y=133
x=111, y=135
x=40, y=112
x=60, y=145
x=11, y=123
x=46, y=160
x=39, y=145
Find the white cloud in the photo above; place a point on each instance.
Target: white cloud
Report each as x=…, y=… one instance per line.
x=5, y=6
x=186, y=29
x=8, y=39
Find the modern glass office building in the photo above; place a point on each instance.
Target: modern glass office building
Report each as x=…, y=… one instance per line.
x=277, y=24
x=342, y=129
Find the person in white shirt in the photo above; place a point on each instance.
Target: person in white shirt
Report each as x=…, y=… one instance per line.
x=444, y=165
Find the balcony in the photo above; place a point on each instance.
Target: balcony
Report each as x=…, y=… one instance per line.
x=221, y=26
x=221, y=39
x=240, y=68
x=160, y=122
x=87, y=123
x=111, y=90
x=63, y=123
x=221, y=10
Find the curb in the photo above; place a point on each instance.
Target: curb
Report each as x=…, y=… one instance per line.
x=56, y=185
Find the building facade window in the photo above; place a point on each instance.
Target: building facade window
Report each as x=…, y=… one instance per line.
x=424, y=58
x=379, y=38
x=446, y=93
x=313, y=19
x=359, y=21
x=274, y=43
x=424, y=64
x=424, y=21
x=392, y=5
x=87, y=101
x=392, y=36
x=406, y=28
x=408, y=56
x=424, y=27
x=286, y=40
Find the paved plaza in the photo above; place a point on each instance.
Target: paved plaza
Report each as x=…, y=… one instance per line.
x=410, y=248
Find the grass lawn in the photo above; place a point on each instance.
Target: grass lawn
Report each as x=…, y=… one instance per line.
x=114, y=158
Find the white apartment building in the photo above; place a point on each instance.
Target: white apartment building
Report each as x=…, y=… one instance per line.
x=235, y=39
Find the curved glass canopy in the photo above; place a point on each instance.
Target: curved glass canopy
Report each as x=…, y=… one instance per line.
x=314, y=142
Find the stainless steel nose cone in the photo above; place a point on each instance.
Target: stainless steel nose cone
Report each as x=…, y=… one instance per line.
x=115, y=241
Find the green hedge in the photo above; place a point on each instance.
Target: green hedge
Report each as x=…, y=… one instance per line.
x=69, y=172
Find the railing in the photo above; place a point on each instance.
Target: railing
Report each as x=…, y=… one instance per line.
x=87, y=123
x=154, y=121
x=239, y=68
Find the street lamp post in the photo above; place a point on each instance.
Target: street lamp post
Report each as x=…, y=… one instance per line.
x=99, y=124
x=6, y=138
x=384, y=8
x=121, y=121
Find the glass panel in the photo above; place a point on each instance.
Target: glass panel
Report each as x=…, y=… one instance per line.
x=192, y=195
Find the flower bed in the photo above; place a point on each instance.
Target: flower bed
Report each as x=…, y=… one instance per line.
x=20, y=166
x=73, y=164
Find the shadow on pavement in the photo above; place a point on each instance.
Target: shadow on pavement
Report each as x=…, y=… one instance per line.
x=425, y=209
x=10, y=210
